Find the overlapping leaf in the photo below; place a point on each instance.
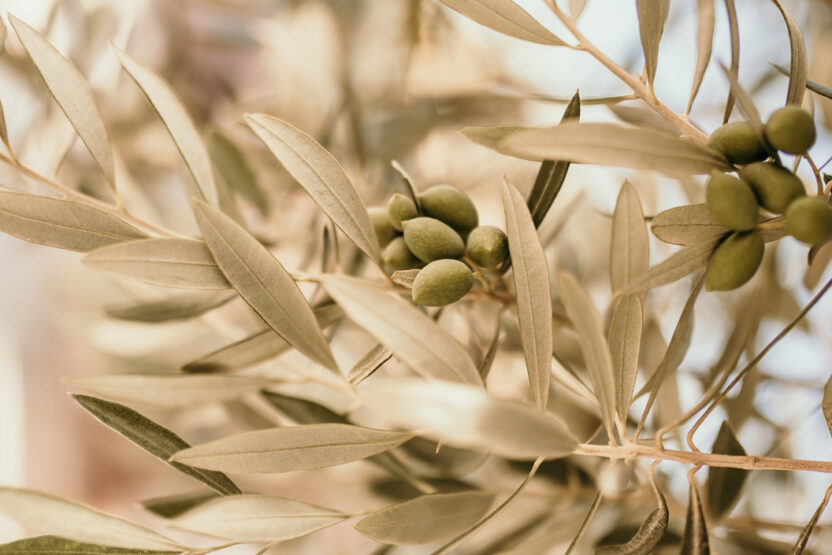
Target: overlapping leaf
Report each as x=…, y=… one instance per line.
x=232, y=165
x=506, y=17
x=686, y=225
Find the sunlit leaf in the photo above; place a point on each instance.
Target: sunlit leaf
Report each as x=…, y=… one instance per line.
x=695, y=540
x=53, y=545
x=724, y=484
x=798, y=66
x=652, y=16
x=704, y=44
x=413, y=337
x=175, y=307
x=686, y=225
x=64, y=224
x=293, y=448
x=321, y=175
x=625, y=341
x=369, y=363
x=232, y=165
x=673, y=268
x=263, y=282
x=629, y=244
x=506, y=17
x=531, y=285
x=257, y=518
x=426, y=519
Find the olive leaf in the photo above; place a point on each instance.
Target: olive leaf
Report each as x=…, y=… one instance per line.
x=263, y=282
x=491, y=353
x=673, y=268
x=798, y=66
x=695, y=541
x=506, y=17
x=72, y=93
x=706, y=20
x=169, y=390
x=413, y=337
x=625, y=342
x=405, y=278
x=641, y=115
x=629, y=243
x=724, y=484
x=652, y=16
x=746, y=104
x=171, y=308
x=317, y=171
x=369, y=363
x=576, y=8
x=170, y=506
x=531, y=286
x=466, y=416
x=257, y=518
x=826, y=404
x=232, y=165
x=686, y=225
x=303, y=411
x=39, y=511
x=166, y=262
x=816, y=88
x=54, y=545
x=648, y=535
x=4, y=130
x=817, y=265
x=426, y=519
x=153, y=438
x=734, y=30
x=590, y=330
x=806, y=533
x=288, y=449
x=64, y=224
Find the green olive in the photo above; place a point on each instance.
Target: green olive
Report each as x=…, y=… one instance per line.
x=381, y=225
x=429, y=239
x=775, y=187
x=451, y=206
x=809, y=219
x=442, y=282
x=399, y=209
x=791, y=129
x=731, y=202
x=734, y=261
x=396, y=256
x=738, y=142
x=487, y=246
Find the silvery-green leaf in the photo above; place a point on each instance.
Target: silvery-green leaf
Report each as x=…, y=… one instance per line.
x=257, y=518
x=704, y=45
x=625, y=341
x=648, y=536
x=724, y=484
x=169, y=390
x=426, y=519
x=170, y=506
x=686, y=225
x=293, y=448
x=317, y=171
x=232, y=165
x=466, y=416
x=43, y=512
x=179, y=125
x=53, y=545
x=673, y=268
x=652, y=15
x=263, y=282
x=64, y=224
x=153, y=438
x=798, y=69
x=369, y=363
x=413, y=337
x=695, y=540
x=826, y=404
x=531, y=285
x=175, y=307
x=166, y=262
x=72, y=92
x=734, y=30
x=506, y=17
x=589, y=327
x=629, y=244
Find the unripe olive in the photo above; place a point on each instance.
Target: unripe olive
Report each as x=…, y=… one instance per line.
x=809, y=219
x=774, y=187
x=791, y=129
x=738, y=142
x=396, y=256
x=399, y=209
x=429, y=239
x=731, y=202
x=734, y=261
x=487, y=246
x=442, y=282
x=450, y=205
x=381, y=225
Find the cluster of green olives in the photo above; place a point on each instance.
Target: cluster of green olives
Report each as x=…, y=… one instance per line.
x=434, y=237
x=735, y=202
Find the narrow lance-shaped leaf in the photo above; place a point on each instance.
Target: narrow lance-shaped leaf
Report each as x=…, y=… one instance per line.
x=64, y=224
x=649, y=533
x=168, y=309
x=746, y=104
x=54, y=545
x=179, y=125
x=673, y=268
x=232, y=165
x=816, y=88
x=153, y=438
x=534, y=297
x=734, y=30
x=590, y=330
x=369, y=363
x=72, y=92
x=625, y=341
x=695, y=541
x=686, y=225
x=629, y=245
x=806, y=533
x=263, y=282
x=704, y=45
x=288, y=449
x=426, y=519
x=317, y=171
x=506, y=17
x=257, y=518
x=724, y=484
x=652, y=15
x=798, y=65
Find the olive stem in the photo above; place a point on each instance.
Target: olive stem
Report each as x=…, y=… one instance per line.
x=815, y=171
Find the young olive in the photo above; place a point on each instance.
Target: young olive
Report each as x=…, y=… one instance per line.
x=774, y=187
x=429, y=239
x=487, y=246
x=734, y=261
x=809, y=219
x=738, y=142
x=396, y=256
x=381, y=225
x=399, y=209
x=451, y=206
x=731, y=202
x=442, y=282
x=791, y=129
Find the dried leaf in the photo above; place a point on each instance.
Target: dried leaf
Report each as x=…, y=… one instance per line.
x=798, y=69
x=673, y=268
x=288, y=449
x=724, y=484
x=625, y=341
x=263, y=282
x=63, y=224
x=466, y=416
x=695, y=540
x=179, y=125
x=426, y=519
x=177, y=263
x=648, y=536
x=413, y=337
x=734, y=30
x=319, y=173
x=369, y=363
x=53, y=545
x=72, y=93
x=153, y=438
x=232, y=165
x=176, y=307
x=534, y=297
x=42, y=512
x=704, y=45
x=686, y=225
x=506, y=17
x=169, y=390
x=257, y=518
x=590, y=329
x=629, y=246
x=652, y=15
